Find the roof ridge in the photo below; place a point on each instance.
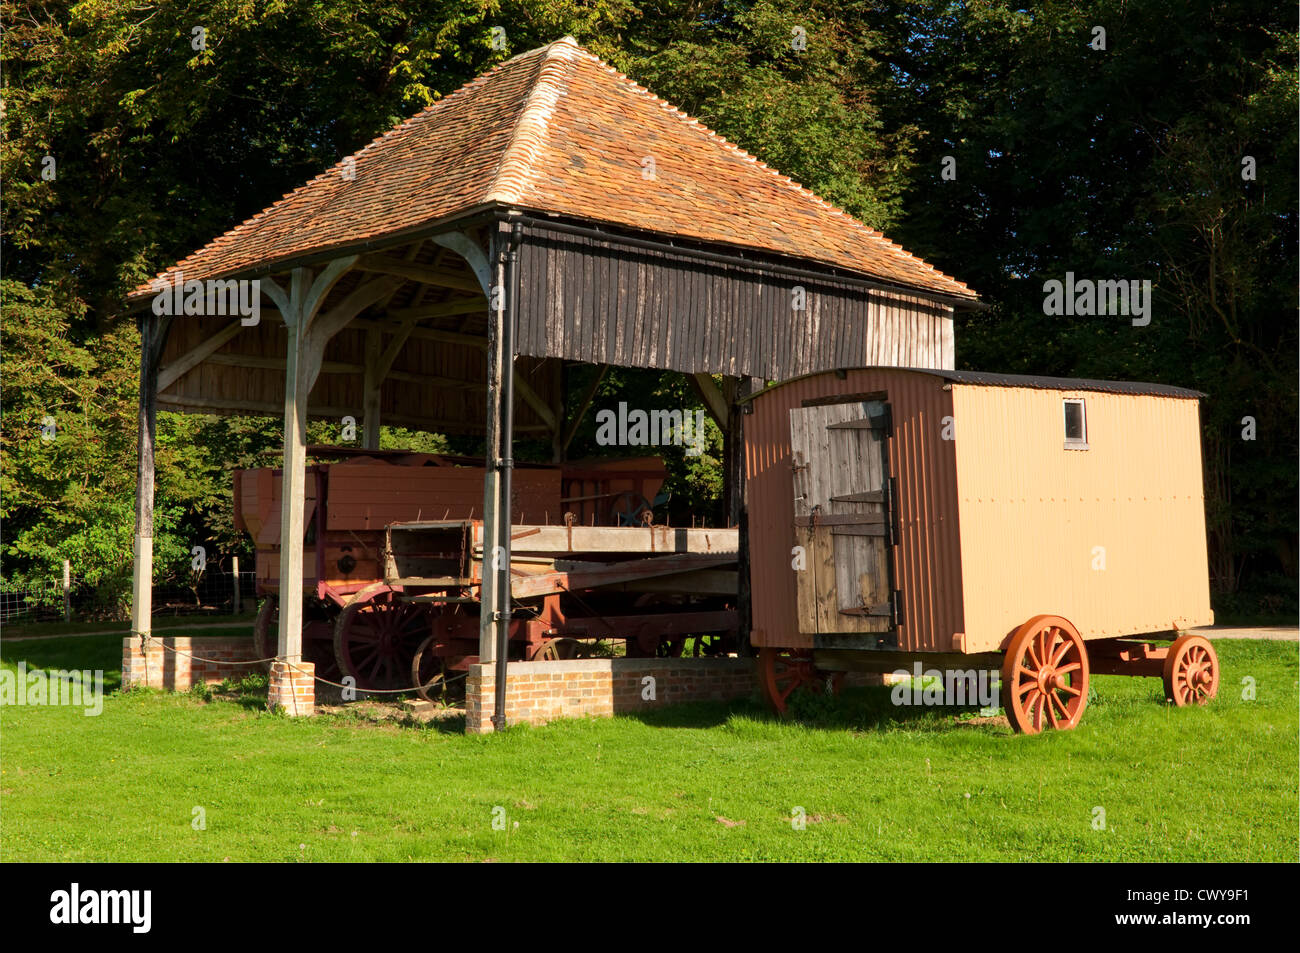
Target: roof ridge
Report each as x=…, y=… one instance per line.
x=528, y=138
x=797, y=187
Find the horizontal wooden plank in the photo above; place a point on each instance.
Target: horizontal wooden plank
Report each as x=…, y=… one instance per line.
x=700, y=582
x=862, y=423
x=868, y=496
x=619, y=539
x=570, y=575
x=885, y=610
x=859, y=531
x=839, y=519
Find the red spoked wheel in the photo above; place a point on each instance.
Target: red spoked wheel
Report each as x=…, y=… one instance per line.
x=782, y=672
x=317, y=637
x=561, y=649
x=429, y=670
x=375, y=640
x=1045, y=676
x=1191, y=671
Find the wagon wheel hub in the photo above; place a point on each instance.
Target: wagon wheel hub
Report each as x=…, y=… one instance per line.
x=1191, y=673
x=782, y=672
x=375, y=640
x=1045, y=676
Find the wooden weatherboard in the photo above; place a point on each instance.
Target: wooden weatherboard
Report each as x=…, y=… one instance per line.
x=841, y=517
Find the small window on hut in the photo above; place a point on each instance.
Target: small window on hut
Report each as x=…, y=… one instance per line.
x=1076, y=425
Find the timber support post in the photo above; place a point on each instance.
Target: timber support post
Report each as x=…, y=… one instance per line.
x=372, y=385
x=483, y=266
x=735, y=390
x=308, y=335
x=153, y=337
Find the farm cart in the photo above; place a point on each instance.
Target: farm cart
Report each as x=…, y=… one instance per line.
x=574, y=587
x=369, y=616
x=1047, y=528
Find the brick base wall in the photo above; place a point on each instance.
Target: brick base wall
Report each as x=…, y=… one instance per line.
x=292, y=688
x=168, y=664
x=537, y=692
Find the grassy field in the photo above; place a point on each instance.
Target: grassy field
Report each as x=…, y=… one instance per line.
x=697, y=782
x=162, y=625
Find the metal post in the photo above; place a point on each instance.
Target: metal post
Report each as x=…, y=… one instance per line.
x=504, y=465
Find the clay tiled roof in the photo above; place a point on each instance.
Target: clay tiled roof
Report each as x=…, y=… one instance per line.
x=556, y=130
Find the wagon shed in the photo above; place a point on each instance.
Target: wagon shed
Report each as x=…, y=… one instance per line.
x=549, y=212
x=896, y=511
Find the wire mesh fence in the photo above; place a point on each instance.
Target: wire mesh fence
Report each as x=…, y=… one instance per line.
x=43, y=600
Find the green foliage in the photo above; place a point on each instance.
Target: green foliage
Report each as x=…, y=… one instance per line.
x=1115, y=163
x=694, y=484
x=1125, y=163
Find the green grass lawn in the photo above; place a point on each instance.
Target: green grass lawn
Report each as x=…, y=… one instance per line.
x=696, y=782
x=161, y=625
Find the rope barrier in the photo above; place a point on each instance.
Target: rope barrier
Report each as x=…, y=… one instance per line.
x=146, y=639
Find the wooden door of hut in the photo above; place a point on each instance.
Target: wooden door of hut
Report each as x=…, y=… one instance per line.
x=842, y=518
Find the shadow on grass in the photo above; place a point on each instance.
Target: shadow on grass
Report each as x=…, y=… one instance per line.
x=856, y=709
x=97, y=653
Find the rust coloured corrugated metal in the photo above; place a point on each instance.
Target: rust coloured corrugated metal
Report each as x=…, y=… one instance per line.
x=1111, y=537
x=927, y=567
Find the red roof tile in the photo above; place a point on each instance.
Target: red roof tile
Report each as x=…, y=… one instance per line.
x=557, y=130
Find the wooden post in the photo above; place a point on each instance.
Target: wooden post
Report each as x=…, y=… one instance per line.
x=153, y=336
x=235, y=602
x=489, y=600
x=482, y=265
x=372, y=390
x=67, y=591
x=557, y=411
x=735, y=389
x=294, y=480
x=308, y=335
x=733, y=448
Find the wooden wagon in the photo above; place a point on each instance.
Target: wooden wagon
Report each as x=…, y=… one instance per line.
x=1048, y=528
x=393, y=565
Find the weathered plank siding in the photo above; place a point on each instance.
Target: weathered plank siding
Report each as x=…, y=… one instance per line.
x=603, y=302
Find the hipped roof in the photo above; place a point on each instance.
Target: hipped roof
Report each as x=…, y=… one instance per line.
x=557, y=131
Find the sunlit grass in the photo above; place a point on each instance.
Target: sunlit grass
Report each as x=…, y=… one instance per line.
x=693, y=782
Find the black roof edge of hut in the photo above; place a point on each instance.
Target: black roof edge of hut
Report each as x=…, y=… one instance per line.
x=1029, y=381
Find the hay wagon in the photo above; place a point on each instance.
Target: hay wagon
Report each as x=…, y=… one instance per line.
x=1050, y=529
x=393, y=565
